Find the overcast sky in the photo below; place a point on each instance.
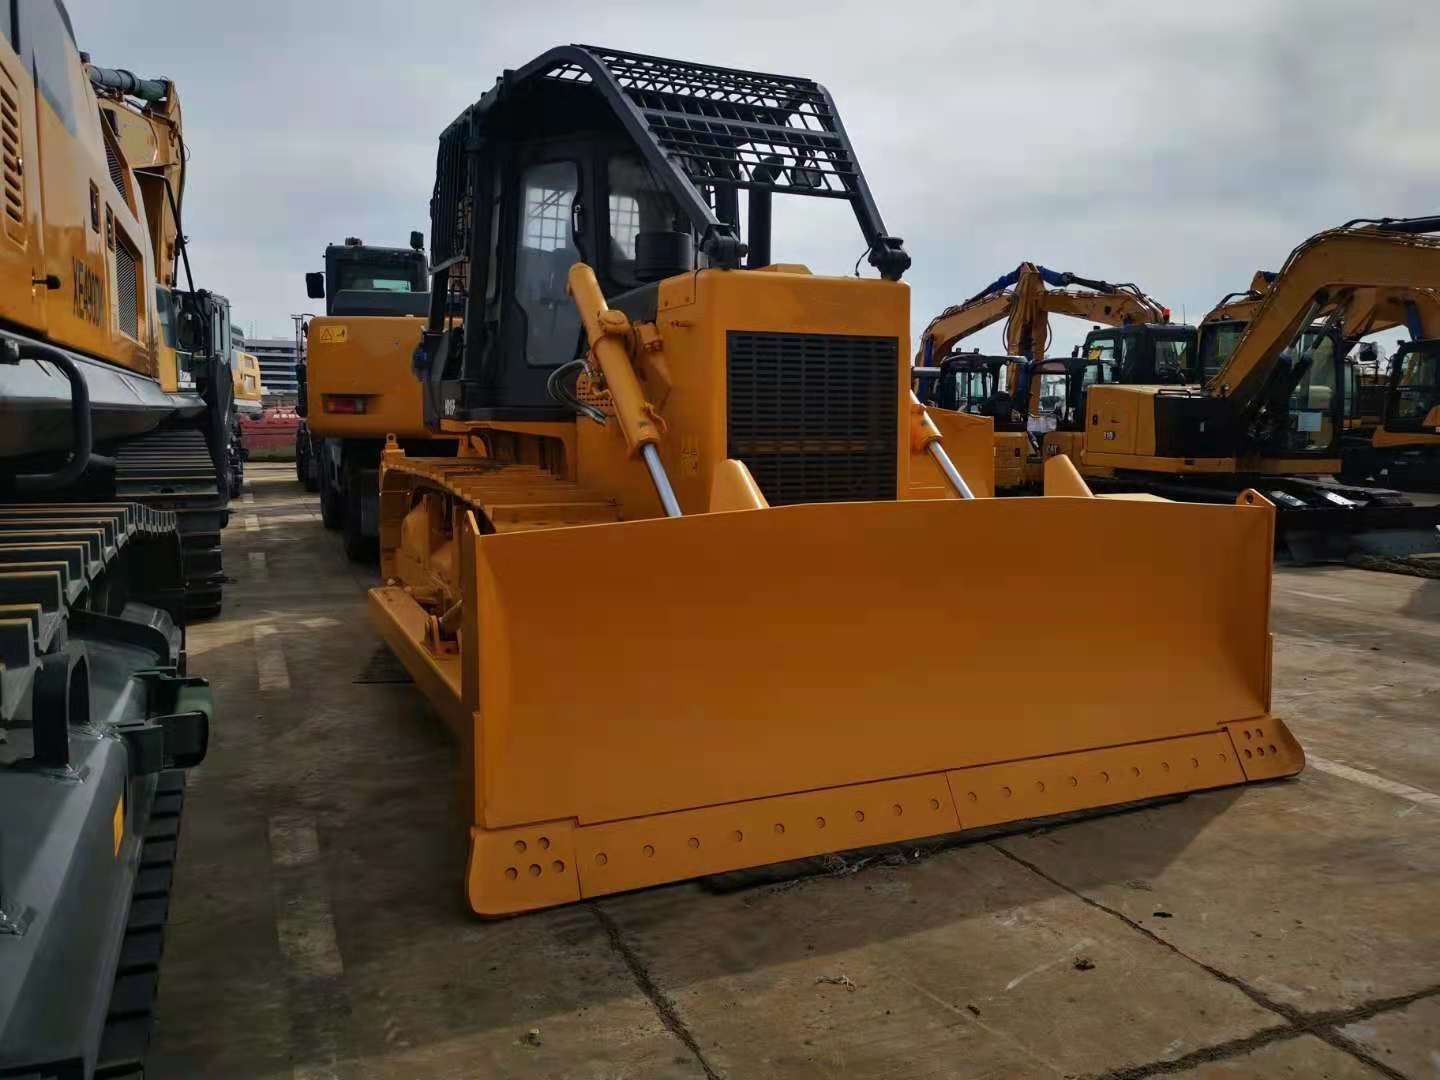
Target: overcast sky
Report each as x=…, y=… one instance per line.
x=1177, y=145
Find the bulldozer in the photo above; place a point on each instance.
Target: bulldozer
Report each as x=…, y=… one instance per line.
x=115, y=424
x=950, y=378
x=356, y=382
x=1269, y=410
x=671, y=592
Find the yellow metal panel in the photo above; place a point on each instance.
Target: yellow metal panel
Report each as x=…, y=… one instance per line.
x=646, y=851
x=117, y=823
x=722, y=657
x=401, y=623
x=76, y=240
x=1015, y=791
x=1114, y=420
x=1012, y=453
x=368, y=357
x=970, y=443
x=1265, y=748
x=556, y=862
x=1384, y=438
x=518, y=869
x=696, y=312
x=21, y=299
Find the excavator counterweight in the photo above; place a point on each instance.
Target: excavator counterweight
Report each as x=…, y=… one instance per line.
x=678, y=594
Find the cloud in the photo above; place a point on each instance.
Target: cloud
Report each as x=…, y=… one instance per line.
x=1181, y=147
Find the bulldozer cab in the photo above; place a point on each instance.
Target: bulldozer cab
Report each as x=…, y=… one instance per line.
x=363, y=280
x=632, y=164
x=1145, y=353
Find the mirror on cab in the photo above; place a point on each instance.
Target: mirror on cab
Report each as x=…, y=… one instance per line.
x=417, y=240
x=315, y=285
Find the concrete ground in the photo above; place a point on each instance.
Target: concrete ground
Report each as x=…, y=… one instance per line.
x=318, y=929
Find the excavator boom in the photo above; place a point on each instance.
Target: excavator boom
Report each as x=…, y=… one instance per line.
x=1022, y=298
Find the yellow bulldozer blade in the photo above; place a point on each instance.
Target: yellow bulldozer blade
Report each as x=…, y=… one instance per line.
x=654, y=700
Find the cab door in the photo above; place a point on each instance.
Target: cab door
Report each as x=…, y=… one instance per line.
x=22, y=287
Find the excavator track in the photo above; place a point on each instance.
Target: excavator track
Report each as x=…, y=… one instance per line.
x=91, y=783
x=172, y=470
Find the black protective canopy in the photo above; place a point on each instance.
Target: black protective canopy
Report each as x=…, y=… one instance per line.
x=704, y=131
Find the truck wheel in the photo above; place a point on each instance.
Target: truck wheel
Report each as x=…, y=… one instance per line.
x=358, y=547
x=332, y=502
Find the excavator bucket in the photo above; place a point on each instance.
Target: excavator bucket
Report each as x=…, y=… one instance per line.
x=654, y=700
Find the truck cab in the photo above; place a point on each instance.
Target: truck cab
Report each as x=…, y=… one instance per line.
x=355, y=380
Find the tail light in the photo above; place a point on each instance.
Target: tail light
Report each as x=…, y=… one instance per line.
x=344, y=403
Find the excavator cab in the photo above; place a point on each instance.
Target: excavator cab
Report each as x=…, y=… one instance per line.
x=1145, y=353
x=1304, y=403
x=1413, y=399
x=993, y=386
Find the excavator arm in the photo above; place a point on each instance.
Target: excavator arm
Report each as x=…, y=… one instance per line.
x=143, y=117
x=959, y=322
x=1319, y=274
x=1372, y=311
x=1022, y=298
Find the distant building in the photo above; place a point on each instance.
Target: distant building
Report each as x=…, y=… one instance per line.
x=277, y=368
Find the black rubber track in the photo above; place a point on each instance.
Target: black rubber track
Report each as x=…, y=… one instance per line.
x=131, y=1015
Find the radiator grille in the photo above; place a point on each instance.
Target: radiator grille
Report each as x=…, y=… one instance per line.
x=127, y=307
x=813, y=416
x=117, y=171
x=12, y=152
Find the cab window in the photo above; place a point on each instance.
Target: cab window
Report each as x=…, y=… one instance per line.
x=375, y=279
x=1100, y=371
x=1054, y=389
x=1312, y=402
x=1172, y=360
x=1217, y=343
x=546, y=251
x=637, y=203
x=1417, y=390
x=1100, y=348
x=165, y=315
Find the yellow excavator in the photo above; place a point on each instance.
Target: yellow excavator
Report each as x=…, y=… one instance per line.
x=672, y=594
x=1270, y=412
x=1403, y=451
x=1397, y=442
x=1001, y=387
x=115, y=426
